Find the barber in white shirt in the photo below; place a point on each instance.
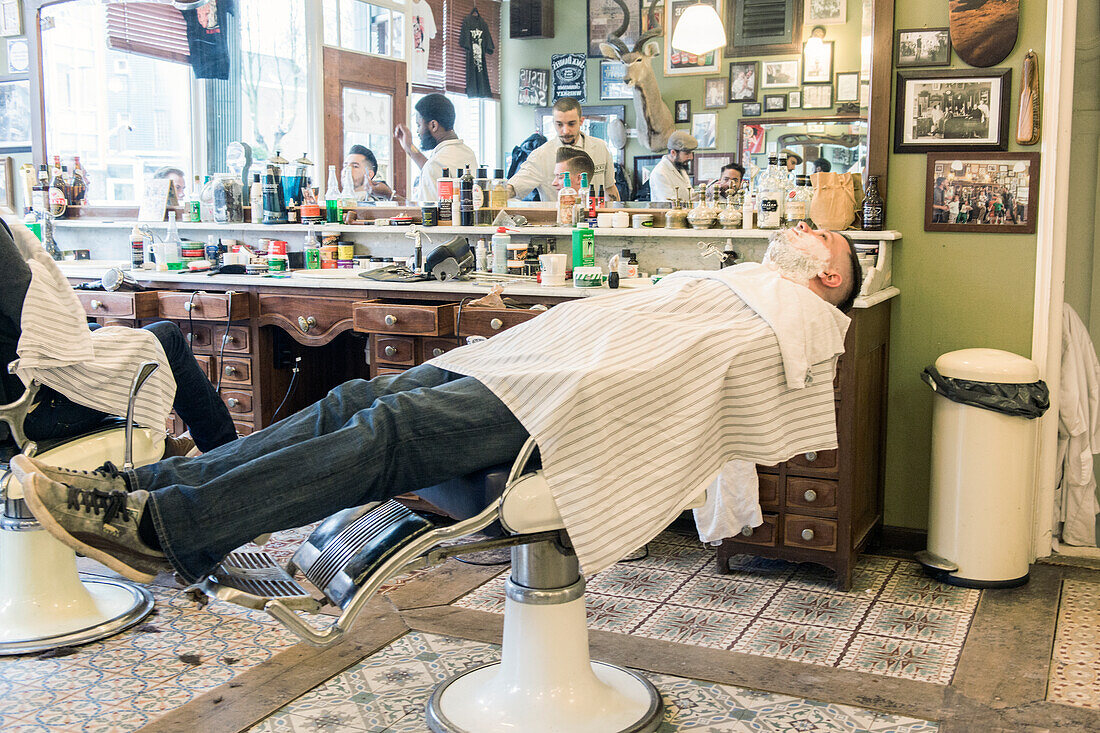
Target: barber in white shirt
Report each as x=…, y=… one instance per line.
x=435, y=121
x=537, y=172
x=671, y=171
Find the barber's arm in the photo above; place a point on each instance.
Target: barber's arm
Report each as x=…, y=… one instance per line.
x=532, y=173
x=404, y=138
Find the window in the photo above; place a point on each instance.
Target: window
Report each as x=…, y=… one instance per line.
x=367, y=117
x=377, y=28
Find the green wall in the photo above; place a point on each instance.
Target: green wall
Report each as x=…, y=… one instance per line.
x=957, y=290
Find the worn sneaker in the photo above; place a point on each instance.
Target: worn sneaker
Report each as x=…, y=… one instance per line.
x=105, y=478
x=102, y=524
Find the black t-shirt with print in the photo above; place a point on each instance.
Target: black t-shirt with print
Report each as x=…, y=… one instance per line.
x=207, y=40
x=475, y=38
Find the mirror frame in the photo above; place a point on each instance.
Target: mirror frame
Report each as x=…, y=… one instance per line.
x=744, y=122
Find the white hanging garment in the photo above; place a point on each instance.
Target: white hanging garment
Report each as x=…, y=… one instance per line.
x=1078, y=433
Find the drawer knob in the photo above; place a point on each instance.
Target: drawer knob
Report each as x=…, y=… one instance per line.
x=306, y=322
x=810, y=495
x=190, y=337
x=389, y=351
x=807, y=534
x=437, y=351
x=230, y=370
x=811, y=456
x=747, y=531
x=496, y=324
x=188, y=306
x=390, y=320
x=232, y=402
x=95, y=304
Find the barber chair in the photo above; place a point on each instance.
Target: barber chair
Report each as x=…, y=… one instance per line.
x=44, y=602
x=545, y=680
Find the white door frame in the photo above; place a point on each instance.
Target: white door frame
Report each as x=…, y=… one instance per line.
x=1050, y=254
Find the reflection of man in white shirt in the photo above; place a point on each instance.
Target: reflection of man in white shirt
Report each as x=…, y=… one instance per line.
x=435, y=120
x=671, y=171
x=423, y=30
x=537, y=172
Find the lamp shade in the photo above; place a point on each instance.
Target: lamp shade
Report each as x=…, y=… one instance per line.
x=699, y=30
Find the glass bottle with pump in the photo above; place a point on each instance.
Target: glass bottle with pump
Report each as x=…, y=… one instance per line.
x=769, y=197
x=567, y=200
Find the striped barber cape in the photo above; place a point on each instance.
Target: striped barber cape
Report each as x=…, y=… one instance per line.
x=638, y=398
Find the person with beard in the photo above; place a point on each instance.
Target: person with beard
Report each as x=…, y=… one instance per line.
x=537, y=172
x=435, y=122
x=673, y=170
x=764, y=341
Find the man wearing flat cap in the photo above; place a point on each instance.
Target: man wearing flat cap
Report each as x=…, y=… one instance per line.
x=673, y=170
x=793, y=160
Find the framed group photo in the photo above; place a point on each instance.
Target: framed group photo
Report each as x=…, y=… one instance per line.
x=957, y=109
x=775, y=102
x=743, y=81
x=826, y=12
x=923, y=47
x=982, y=192
x=751, y=109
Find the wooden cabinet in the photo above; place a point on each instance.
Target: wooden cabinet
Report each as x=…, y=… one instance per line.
x=405, y=333
x=118, y=305
x=823, y=507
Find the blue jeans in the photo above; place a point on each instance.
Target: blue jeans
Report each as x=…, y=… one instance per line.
x=196, y=401
x=363, y=442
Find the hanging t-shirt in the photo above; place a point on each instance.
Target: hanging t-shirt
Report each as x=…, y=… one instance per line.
x=207, y=40
x=423, y=31
x=475, y=38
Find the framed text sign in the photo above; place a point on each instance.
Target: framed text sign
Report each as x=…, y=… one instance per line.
x=534, y=87
x=568, y=71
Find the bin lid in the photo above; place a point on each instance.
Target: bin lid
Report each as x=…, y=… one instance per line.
x=988, y=365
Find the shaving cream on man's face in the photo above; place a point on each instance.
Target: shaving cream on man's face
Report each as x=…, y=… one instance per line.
x=799, y=259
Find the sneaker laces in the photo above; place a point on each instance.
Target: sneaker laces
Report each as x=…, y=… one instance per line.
x=111, y=503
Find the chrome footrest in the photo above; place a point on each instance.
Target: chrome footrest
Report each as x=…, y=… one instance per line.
x=253, y=579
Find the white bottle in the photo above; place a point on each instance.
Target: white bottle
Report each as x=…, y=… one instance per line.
x=172, y=242
x=256, y=199
x=481, y=256
x=501, y=240
x=770, y=196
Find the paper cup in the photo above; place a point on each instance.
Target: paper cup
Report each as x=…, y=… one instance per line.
x=552, y=269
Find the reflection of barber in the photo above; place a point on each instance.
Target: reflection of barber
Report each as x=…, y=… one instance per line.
x=435, y=122
x=671, y=171
x=363, y=166
x=730, y=180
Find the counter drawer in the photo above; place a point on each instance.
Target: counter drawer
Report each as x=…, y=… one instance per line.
x=380, y=371
x=769, y=490
x=119, y=305
x=489, y=321
x=765, y=534
x=234, y=372
x=814, y=463
x=204, y=306
x=435, y=346
x=813, y=533
x=208, y=367
x=410, y=318
x=243, y=428
x=239, y=403
x=400, y=350
x=237, y=343
x=309, y=319
x=810, y=494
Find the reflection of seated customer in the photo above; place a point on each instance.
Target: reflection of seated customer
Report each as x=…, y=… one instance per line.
x=363, y=167
x=822, y=166
x=86, y=374
x=175, y=175
x=765, y=340
x=574, y=162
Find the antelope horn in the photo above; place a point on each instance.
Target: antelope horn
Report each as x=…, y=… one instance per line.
x=615, y=38
x=654, y=29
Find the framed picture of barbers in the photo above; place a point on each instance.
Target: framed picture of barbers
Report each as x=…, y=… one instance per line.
x=994, y=193
x=953, y=109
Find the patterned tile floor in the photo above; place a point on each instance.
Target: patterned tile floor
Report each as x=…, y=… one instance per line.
x=1075, y=666
x=388, y=691
x=895, y=621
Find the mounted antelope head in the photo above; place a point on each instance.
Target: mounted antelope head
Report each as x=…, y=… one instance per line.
x=654, y=118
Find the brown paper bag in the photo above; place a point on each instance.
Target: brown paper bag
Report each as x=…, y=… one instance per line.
x=834, y=203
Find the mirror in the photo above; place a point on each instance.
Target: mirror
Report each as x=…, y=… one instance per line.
x=597, y=123
x=837, y=144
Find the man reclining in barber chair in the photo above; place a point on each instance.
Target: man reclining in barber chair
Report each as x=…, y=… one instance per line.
x=635, y=400
x=86, y=375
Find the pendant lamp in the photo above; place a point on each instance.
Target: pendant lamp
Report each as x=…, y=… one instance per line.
x=699, y=30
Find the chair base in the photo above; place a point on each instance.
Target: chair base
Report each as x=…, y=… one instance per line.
x=479, y=701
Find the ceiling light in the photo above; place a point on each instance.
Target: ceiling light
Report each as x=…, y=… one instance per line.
x=699, y=30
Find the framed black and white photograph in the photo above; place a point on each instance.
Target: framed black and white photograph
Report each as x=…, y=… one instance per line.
x=682, y=111
x=15, y=115
x=612, y=84
x=817, y=96
x=778, y=74
x=682, y=63
x=775, y=102
x=534, y=87
x=714, y=92
x=794, y=100
x=643, y=168
x=924, y=47
x=956, y=109
x=605, y=16
x=847, y=86
x=751, y=109
x=743, y=81
x=817, y=62
x=982, y=192
x=704, y=128
x=826, y=12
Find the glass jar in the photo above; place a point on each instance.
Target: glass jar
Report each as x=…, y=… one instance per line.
x=730, y=217
x=228, y=199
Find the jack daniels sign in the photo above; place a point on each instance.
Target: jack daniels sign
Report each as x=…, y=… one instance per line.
x=569, y=77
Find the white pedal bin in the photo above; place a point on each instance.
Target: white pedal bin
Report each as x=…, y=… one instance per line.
x=983, y=465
